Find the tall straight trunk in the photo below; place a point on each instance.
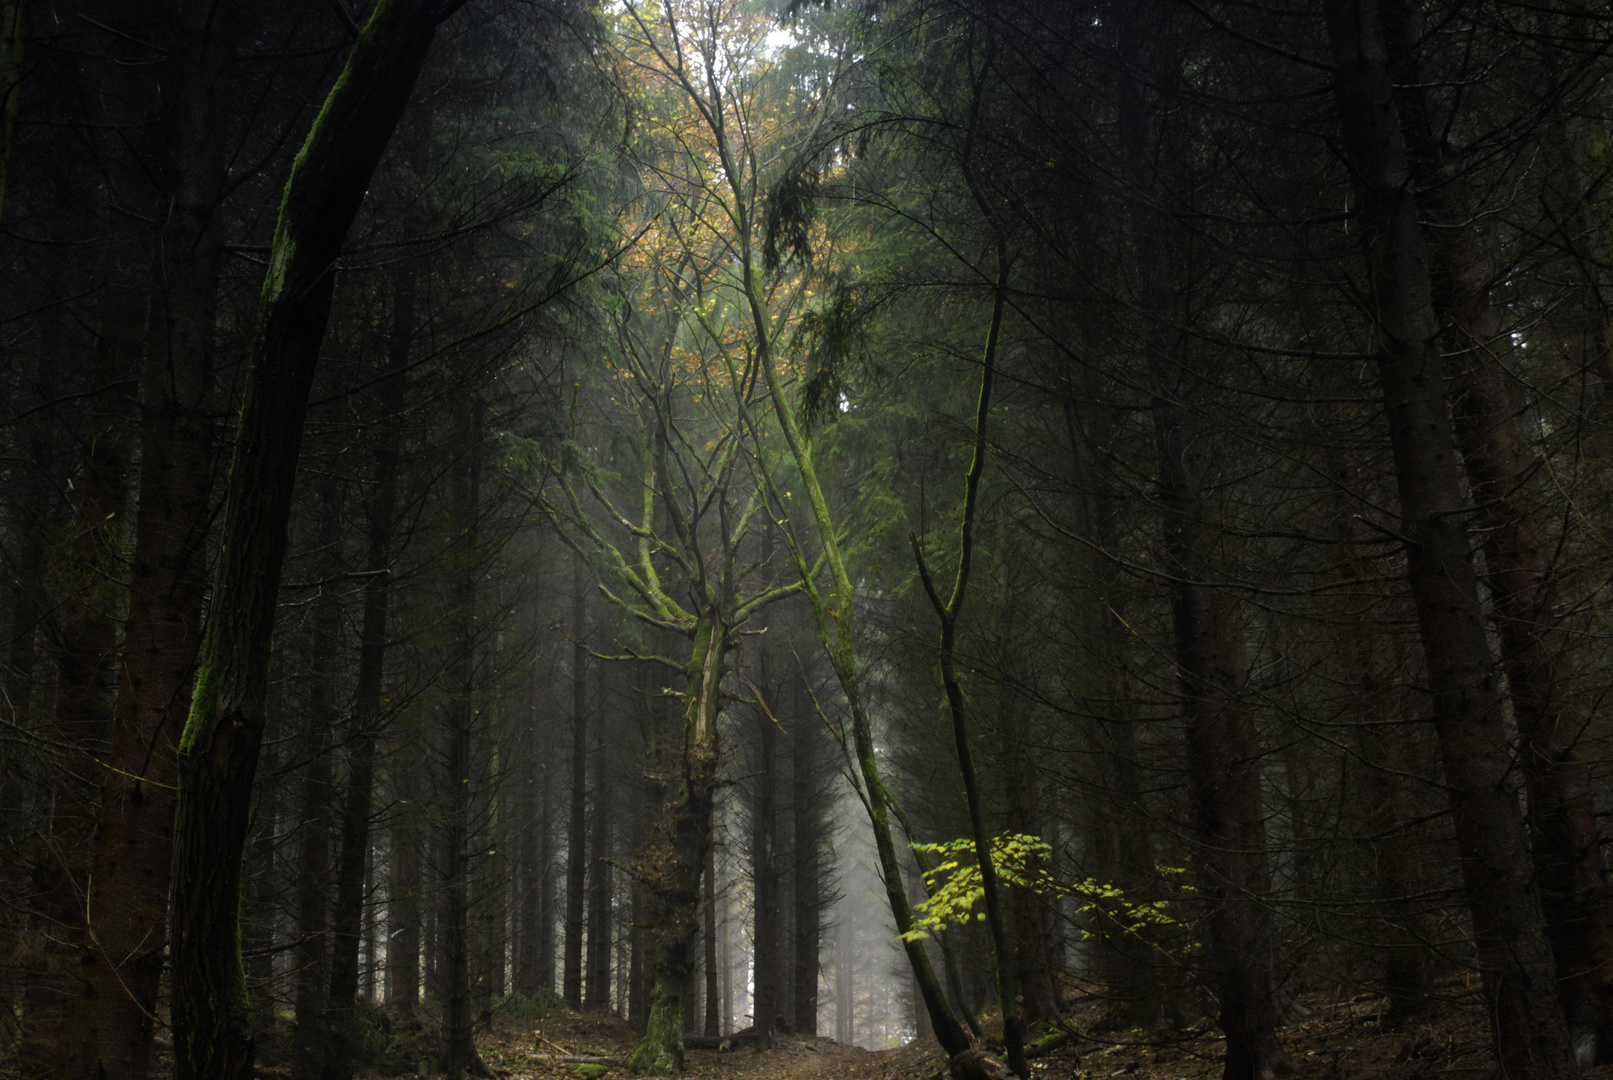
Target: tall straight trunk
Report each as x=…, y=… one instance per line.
x=87, y=635
x=263, y=901
x=1029, y=916
x=1223, y=753
x=1514, y=951
x=457, y=1054
x=715, y=995
x=1391, y=816
x=577, y=826
x=347, y=920
x=599, y=885
x=403, y=899
x=596, y=993
x=637, y=991
x=311, y=956
x=218, y=752
x=128, y=899
x=1505, y=479
x=1565, y=838
x=765, y=861
x=845, y=1028
x=807, y=918
x=547, y=886
x=680, y=855
x=533, y=821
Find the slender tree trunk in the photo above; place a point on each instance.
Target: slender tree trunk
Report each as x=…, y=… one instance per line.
x=86, y=628
x=128, y=900
x=947, y=611
x=1514, y=951
x=457, y=1054
x=341, y=1045
x=547, y=884
x=597, y=992
x=845, y=1031
x=577, y=830
x=715, y=996
x=405, y=914
x=311, y=956
x=532, y=824
x=1223, y=752
x=807, y=919
x=765, y=863
x=218, y=752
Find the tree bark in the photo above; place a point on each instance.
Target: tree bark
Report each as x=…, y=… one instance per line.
x=716, y=997
x=404, y=912
x=1223, y=753
x=86, y=632
x=457, y=1054
x=128, y=900
x=807, y=919
x=764, y=858
x=346, y=923
x=1504, y=476
x=1514, y=952
x=311, y=955
x=678, y=856
x=596, y=993
x=218, y=752
x=577, y=828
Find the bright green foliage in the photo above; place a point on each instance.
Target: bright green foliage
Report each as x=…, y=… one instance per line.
x=1021, y=861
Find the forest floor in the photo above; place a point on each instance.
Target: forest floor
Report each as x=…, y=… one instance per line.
x=1328, y=1039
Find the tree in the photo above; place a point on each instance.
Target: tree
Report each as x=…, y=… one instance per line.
x=218, y=752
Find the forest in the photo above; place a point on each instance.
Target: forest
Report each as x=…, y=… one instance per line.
x=806, y=538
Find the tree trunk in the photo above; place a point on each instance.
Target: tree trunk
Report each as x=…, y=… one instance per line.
x=807, y=919
x=1504, y=477
x=678, y=856
x=596, y=993
x=577, y=829
x=218, y=752
x=547, y=885
x=312, y=953
x=1223, y=753
x=1514, y=952
x=457, y=1054
x=530, y=849
x=346, y=925
x=128, y=901
x=765, y=865
x=404, y=913
x=716, y=997
x=86, y=631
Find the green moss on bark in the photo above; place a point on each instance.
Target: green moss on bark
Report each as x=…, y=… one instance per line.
x=660, y=1052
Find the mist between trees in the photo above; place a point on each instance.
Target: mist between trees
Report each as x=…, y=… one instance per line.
x=838, y=520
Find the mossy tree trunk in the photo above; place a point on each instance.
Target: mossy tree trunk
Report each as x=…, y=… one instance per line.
x=218, y=753
x=671, y=866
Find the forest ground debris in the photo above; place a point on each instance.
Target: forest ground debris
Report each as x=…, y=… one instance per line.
x=1333, y=1037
